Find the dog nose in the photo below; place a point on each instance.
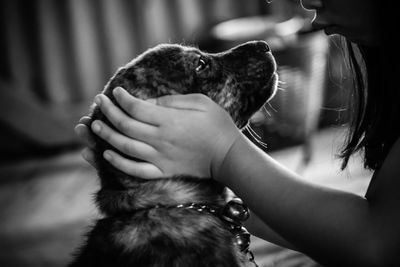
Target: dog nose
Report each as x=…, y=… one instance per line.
x=262, y=46
x=259, y=46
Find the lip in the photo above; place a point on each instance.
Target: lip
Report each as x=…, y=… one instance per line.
x=318, y=25
x=328, y=31
x=327, y=28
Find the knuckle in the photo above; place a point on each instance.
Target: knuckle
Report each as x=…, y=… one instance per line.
x=129, y=169
x=128, y=148
x=146, y=173
x=132, y=108
x=105, y=108
x=105, y=134
x=164, y=100
x=103, y=131
x=137, y=172
x=202, y=99
x=158, y=139
x=168, y=142
x=173, y=122
x=123, y=126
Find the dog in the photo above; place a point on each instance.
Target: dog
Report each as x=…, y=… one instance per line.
x=181, y=221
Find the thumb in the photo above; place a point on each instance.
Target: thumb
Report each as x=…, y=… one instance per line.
x=190, y=101
x=88, y=155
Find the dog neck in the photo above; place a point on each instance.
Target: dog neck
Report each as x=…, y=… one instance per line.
x=166, y=192
x=232, y=214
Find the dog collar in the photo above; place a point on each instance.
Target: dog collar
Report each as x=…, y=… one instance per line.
x=233, y=214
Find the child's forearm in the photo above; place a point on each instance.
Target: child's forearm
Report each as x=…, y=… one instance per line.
x=258, y=228
x=329, y=225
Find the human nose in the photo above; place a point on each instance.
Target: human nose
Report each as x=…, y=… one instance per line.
x=311, y=4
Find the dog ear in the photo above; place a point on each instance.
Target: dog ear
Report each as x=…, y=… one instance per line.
x=126, y=78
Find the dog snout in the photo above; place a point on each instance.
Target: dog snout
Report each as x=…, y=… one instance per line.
x=262, y=46
x=259, y=46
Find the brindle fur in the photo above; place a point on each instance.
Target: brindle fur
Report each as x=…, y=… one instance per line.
x=240, y=80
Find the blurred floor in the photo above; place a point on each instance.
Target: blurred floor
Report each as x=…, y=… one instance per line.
x=46, y=205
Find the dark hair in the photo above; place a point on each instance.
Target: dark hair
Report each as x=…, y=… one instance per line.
x=374, y=102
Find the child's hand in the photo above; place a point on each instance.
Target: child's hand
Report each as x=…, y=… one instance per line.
x=181, y=134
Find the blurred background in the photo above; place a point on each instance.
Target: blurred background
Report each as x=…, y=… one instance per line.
x=55, y=56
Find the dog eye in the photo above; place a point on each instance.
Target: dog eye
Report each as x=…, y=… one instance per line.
x=201, y=65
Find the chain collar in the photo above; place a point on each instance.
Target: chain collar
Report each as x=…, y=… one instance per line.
x=233, y=214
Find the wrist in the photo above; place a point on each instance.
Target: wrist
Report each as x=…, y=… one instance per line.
x=220, y=169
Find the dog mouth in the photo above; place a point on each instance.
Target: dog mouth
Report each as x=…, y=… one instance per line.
x=270, y=89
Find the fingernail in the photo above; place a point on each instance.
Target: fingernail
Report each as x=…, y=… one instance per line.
x=107, y=155
x=84, y=119
x=96, y=127
x=78, y=130
x=117, y=91
x=97, y=100
x=84, y=154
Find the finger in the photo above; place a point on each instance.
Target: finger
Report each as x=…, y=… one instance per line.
x=88, y=155
x=190, y=101
x=85, y=135
x=125, y=124
x=85, y=120
x=143, y=170
x=139, y=109
x=126, y=145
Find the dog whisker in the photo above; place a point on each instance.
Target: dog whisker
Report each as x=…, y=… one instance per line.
x=249, y=128
x=270, y=105
x=264, y=108
x=334, y=109
x=255, y=136
x=281, y=82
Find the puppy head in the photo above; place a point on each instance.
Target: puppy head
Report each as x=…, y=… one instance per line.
x=241, y=80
